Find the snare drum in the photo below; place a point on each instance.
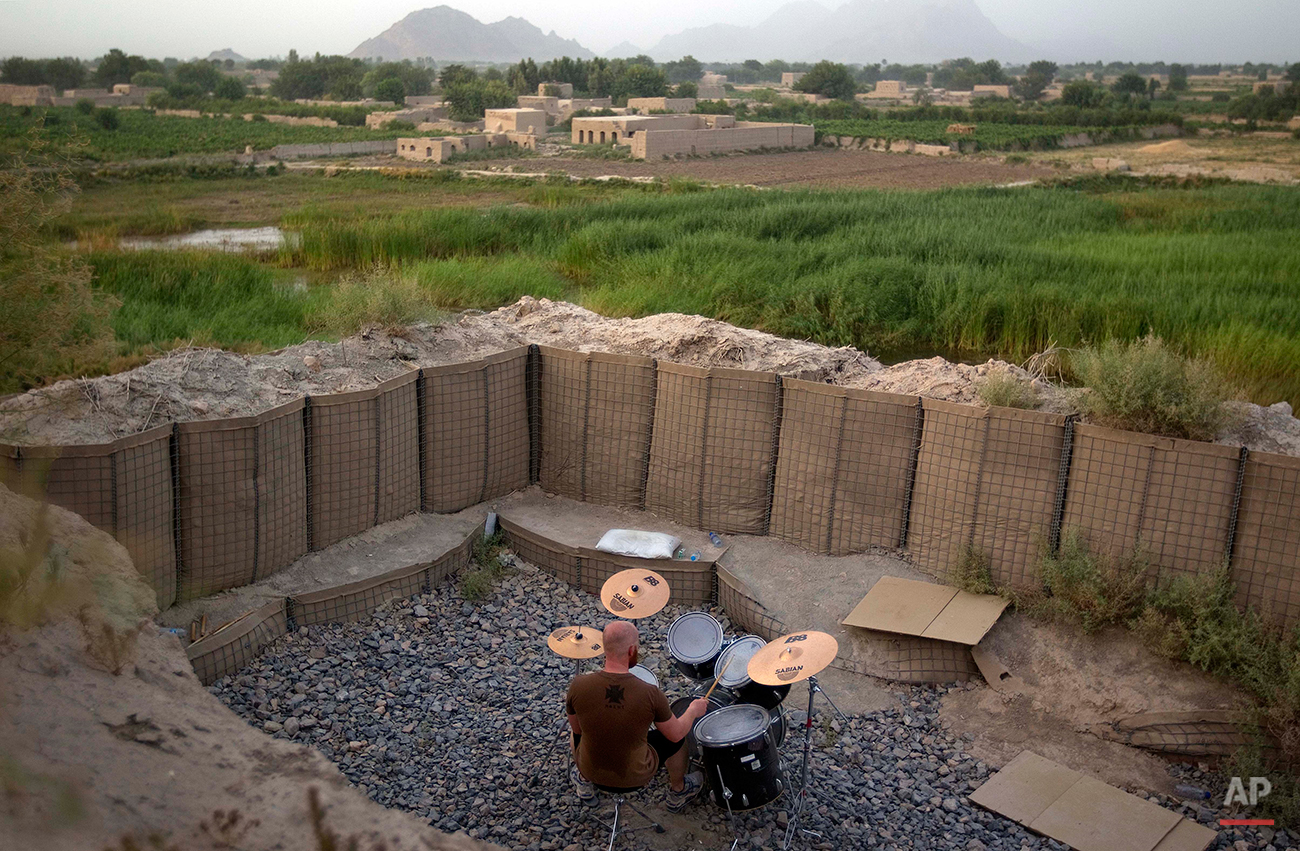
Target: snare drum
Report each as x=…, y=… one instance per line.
x=735, y=661
x=740, y=757
x=694, y=642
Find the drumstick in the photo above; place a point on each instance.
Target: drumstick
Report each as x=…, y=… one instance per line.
x=718, y=677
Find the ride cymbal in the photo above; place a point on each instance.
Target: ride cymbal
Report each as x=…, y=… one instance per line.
x=576, y=642
x=792, y=658
x=635, y=593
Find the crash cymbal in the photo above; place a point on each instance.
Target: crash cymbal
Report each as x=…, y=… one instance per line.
x=576, y=642
x=792, y=658
x=635, y=593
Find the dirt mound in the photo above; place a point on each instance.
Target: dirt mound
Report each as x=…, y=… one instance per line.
x=90, y=756
x=195, y=384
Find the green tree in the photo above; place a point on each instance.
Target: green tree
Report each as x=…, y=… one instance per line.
x=1153, y=88
x=415, y=79
x=686, y=89
x=830, y=79
x=149, y=79
x=1129, y=83
x=116, y=67
x=20, y=71
x=686, y=69
x=107, y=118
x=1037, y=77
x=1177, y=78
x=1083, y=94
x=65, y=73
x=524, y=78
x=456, y=75
x=640, y=81
x=1293, y=73
x=391, y=89
x=230, y=88
x=202, y=74
x=497, y=94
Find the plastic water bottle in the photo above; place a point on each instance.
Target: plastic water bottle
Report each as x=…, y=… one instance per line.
x=1192, y=792
x=713, y=536
x=171, y=630
x=695, y=556
x=681, y=553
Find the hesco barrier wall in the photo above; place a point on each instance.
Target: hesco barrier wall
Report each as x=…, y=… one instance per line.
x=204, y=506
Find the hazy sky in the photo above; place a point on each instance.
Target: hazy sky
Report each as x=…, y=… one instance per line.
x=1173, y=30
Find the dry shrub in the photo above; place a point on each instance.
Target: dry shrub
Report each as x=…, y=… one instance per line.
x=33, y=577
x=378, y=297
x=973, y=572
x=1148, y=387
x=1005, y=390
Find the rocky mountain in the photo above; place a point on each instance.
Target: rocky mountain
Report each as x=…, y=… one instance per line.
x=226, y=53
x=622, y=50
x=861, y=31
x=449, y=34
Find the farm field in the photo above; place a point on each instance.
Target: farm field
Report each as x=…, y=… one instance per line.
x=142, y=135
x=973, y=270
x=987, y=135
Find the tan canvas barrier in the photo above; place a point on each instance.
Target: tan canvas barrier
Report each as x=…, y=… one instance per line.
x=144, y=508
x=1266, y=554
x=281, y=489
x=476, y=423
x=946, y=493
x=1107, y=486
x=596, y=415
x=1198, y=732
x=1188, y=505
x=691, y=581
x=711, y=453
x=555, y=558
x=399, y=448
x=913, y=659
x=841, y=478
x=742, y=606
x=218, y=506
x=343, y=465
x=505, y=377
x=1170, y=500
x=1019, y=473
x=357, y=600
x=226, y=651
x=78, y=478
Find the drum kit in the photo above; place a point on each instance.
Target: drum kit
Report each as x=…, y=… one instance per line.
x=745, y=681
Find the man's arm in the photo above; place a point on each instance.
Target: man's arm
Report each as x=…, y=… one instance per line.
x=574, y=725
x=676, y=728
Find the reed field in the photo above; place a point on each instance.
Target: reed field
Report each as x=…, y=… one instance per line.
x=1213, y=270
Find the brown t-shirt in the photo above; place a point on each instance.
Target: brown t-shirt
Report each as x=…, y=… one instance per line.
x=615, y=712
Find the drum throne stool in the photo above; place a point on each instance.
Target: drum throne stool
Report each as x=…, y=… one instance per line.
x=616, y=827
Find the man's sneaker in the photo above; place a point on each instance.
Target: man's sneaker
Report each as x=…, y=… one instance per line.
x=691, y=786
x=582, y=787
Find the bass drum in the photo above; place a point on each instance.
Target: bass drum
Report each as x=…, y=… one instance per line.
x=732, y=671
x=694, y=642
x=719, y=699
x=741, y=763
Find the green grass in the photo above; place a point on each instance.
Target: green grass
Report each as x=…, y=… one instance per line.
x=1212, y=271
x=141, y=134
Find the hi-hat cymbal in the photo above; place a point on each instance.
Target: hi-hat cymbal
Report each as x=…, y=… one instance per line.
x=635, y=593
x=576, y=642
x=792, y=658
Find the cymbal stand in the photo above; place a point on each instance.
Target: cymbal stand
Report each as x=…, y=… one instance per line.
x=814, y=689
x=564, y=722
x=726, y=797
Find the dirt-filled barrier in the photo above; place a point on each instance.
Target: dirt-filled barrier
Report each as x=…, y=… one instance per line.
x=211, y=505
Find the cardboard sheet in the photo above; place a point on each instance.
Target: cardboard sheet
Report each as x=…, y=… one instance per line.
x=924, y=609
x=1083, y=812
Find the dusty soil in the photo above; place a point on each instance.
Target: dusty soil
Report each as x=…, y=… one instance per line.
x=821, y=167
x=1250, y=157
x=88, y=756
x=192, y=384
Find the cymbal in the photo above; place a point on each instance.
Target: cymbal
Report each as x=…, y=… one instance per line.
x=635, y=593
x=576, y=642
x=792, y=658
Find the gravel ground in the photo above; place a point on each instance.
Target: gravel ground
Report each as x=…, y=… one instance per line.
x=446, y=708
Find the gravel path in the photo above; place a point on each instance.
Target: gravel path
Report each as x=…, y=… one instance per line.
x=446, y=707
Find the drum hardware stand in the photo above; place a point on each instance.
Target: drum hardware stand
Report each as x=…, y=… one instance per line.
x=814, y=688
x=726, y=796
x=564, y=720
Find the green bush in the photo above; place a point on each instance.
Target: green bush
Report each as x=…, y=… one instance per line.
x=1004, y=390
x=1092, y=590
x=85, y=106
x=1148, y=387
x=107, y=118
x=478, y=582
x=973, y=572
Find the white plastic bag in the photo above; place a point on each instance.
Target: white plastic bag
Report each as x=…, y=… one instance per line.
x=638, y=544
